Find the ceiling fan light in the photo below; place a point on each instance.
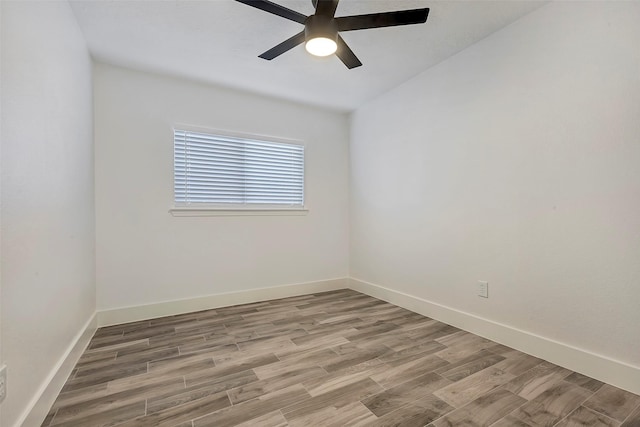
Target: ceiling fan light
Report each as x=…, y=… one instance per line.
x=321, y=46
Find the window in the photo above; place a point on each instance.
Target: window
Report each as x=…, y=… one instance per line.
x=230, y=172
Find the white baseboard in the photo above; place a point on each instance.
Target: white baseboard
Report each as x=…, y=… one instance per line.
x=170, y=308
x=597, y=366
x=39, y=406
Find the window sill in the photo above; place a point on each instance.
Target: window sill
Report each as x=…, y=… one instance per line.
x=215, y=211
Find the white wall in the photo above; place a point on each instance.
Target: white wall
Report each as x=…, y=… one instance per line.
x=47, y=224
x=145, y=255
x=516, y=161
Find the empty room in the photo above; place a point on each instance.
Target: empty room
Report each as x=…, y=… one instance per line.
x=319, y=213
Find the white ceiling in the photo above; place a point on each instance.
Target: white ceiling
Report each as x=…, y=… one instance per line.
x=218, y=41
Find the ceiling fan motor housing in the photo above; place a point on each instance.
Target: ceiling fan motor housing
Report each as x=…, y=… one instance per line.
x=320, y=26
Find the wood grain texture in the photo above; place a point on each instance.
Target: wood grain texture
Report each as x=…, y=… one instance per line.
x=584, y=381
x=483, y=411
x=415, y=414
x=633, y=420
x=613, y=402
x=552, y=405
x=405, y=393
x=536, y=380
x=586, y=417
x=466, y=390
x=330, y=359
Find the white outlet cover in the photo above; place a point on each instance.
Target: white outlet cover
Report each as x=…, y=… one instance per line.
x=483, y=289
x=3, y=382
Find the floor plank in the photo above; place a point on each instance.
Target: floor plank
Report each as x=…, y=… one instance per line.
x=405, y=393
x=416, y=414
x=586, y=417
x=613, y=402
x=552, y=405
x=483, y=411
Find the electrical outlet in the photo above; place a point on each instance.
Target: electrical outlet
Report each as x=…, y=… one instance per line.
x=483, y=289
x=3, y=382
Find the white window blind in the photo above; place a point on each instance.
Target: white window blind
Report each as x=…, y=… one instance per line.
x=214, y=169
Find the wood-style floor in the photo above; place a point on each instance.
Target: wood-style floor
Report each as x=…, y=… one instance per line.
x=330, y=359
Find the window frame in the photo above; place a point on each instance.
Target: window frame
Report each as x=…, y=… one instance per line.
x=235, y=209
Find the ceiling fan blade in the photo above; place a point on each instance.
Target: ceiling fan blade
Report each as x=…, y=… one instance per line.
x=286, y=45
x=275, y=9
x=385, y=19
x=326, y=7
x=346, y=55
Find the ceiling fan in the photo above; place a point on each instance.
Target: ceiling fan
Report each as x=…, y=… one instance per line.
x=321, y=29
